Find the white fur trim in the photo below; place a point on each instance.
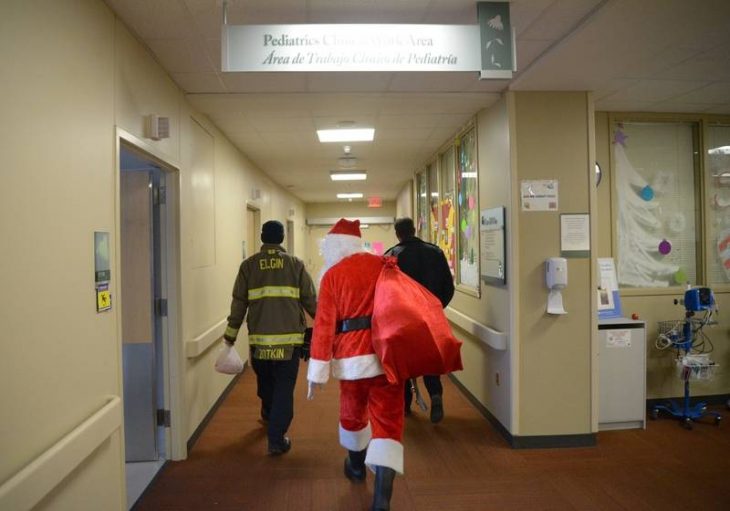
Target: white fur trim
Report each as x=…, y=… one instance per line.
x=356, y=368
x=355, y=440
x=385, y=452
x=318, y=371
x=335, y=247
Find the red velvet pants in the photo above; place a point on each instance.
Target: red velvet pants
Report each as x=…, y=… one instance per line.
x=371, y=416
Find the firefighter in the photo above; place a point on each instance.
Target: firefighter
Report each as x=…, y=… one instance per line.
x=276, y=290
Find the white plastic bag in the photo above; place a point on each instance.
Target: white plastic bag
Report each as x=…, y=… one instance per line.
x=228, y=361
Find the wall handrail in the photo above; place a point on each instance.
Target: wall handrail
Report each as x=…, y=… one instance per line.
x=34, y=481
x=205, y=340
x=491, y=337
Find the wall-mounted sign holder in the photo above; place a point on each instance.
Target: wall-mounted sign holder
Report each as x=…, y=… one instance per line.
x=102, y=271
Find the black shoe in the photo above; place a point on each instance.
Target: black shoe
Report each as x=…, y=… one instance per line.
x=280, y=448
x=383, y=488
x=355, y=465
x=437, y=408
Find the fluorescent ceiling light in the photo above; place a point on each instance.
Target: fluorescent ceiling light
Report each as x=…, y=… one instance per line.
x=720, y=150
x=351, y=175
x=472, y=175
x=346, y=135
x=349, y=196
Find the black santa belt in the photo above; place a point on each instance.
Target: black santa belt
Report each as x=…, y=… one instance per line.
x=348, y=325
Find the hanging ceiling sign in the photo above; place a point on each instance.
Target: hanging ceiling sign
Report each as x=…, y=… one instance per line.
x=374, y=47
x=371, y=47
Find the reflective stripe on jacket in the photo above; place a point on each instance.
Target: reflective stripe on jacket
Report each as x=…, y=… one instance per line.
x=272, y=291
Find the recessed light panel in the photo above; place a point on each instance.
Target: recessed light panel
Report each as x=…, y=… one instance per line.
x=346, y=135
x=350, y=175
x=349, y=196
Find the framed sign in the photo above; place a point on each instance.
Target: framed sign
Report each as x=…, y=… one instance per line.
x=492, y=247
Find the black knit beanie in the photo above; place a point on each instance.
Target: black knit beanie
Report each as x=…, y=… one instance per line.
x=272, y=232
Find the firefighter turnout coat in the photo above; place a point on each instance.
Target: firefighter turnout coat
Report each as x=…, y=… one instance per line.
x=275, y=289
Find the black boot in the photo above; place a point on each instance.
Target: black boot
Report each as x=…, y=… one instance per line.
x=355, y=465
x=437, y=408
x=383, y=488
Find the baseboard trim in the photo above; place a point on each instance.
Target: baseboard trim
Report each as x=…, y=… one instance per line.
x=201, y=427
x=527, y=442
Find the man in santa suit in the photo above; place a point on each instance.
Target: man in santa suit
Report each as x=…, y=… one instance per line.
x=371, y=409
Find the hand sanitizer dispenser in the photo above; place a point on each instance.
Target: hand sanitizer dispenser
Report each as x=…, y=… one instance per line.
x=556, y=278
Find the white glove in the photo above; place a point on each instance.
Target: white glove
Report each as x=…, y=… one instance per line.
x=311, y=388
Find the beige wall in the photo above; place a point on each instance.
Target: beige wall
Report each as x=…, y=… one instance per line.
x=404, y=201
x=72, y=73
x=552, y=137
x=60, y=359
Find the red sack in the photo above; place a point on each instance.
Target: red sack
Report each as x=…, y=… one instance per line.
x=411, y=335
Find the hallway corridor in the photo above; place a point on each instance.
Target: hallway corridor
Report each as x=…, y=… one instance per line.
x=462, y=464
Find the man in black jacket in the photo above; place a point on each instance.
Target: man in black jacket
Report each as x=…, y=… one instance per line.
x=426, y=264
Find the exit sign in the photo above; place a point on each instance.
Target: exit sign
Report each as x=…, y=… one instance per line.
x=375, y=202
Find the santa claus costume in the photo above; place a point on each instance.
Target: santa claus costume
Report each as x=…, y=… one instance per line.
x=371, y=409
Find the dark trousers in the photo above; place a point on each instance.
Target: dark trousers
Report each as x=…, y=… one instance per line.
x=433, y=386
x=275, y=387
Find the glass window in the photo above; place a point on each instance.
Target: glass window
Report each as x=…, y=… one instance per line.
x=422, y=209
x=447, y=226
x=468, y=205
x=718, y=197
x=433, y=192
x=655, y=180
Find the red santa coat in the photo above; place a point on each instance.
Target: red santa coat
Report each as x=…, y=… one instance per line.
x=371, y=408
x=346, y=291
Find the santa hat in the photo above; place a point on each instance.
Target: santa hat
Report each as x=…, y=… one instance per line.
x=344, y=239
x=346, y=227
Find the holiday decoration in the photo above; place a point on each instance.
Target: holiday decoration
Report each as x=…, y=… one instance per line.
x=665, y=247
x=639, y=227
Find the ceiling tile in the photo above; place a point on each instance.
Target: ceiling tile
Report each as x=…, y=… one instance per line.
x=653, y=55
x=656, y=90
x=348, y=82
x=198, y=82
x=181, y=55
x=264, y=82
x=718, y=92
x=160, y=19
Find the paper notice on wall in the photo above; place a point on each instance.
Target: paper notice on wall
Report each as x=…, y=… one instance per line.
x=539, y=195
x=607, y=273
x=618, y=338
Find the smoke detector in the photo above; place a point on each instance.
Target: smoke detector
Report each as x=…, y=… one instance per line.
x=348, y=161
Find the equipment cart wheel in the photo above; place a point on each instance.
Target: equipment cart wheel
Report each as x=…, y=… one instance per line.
x=718, y=420
x=655, y=414
x=687, y=423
